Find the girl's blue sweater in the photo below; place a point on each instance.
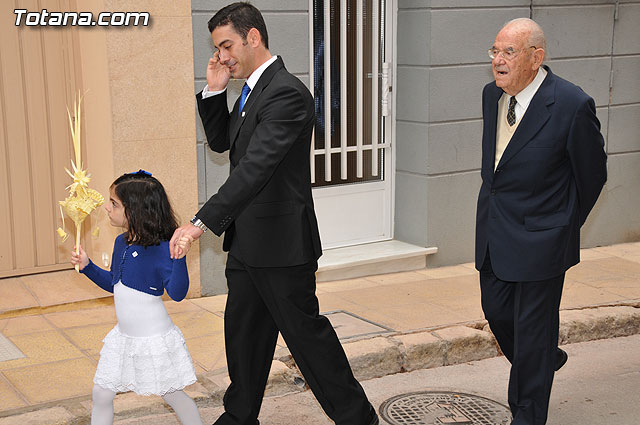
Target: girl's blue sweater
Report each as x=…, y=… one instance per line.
x=147, y=269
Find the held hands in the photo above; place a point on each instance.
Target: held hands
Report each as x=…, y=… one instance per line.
x=81, y=259
x=182, y=238
x=185, y=243
x=218, y=75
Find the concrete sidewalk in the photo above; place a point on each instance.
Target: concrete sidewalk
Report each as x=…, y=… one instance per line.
x=388, y=324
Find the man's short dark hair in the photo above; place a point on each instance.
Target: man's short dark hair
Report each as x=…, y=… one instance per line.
x=242, y=16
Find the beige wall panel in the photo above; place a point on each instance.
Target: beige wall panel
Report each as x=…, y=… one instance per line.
x=21, y=230
x=39, y=73
x=94, y=68
x=39, y=142
x=58, y=122
x=154, y=7
x=153, y=115
x=193, y=263
x=6, y=253
x=50, y=5
x=71, y=54
x=152, y=81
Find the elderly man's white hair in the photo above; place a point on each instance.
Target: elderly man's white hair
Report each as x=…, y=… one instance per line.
x=536, y=35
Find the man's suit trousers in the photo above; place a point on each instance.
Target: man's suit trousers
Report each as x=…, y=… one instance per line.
x=524, y=317
x=263, y=301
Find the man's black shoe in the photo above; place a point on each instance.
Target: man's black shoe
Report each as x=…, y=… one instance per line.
x=373, y=417
x=561, y=358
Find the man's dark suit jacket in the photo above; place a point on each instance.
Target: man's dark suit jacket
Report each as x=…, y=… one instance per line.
x=531, y=208
x=265, y=206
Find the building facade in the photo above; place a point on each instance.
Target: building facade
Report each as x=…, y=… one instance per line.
x=396, y=152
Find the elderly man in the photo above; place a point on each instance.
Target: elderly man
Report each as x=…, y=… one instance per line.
x=543, y=167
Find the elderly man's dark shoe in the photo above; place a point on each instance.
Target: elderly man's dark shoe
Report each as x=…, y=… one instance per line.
x=373, y=418
x=561, y=358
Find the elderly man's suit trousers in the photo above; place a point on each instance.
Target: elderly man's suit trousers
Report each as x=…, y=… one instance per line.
x=263, y=301
x=524, y=317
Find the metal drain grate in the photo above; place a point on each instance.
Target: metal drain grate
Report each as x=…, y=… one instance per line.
x=438, y=408
x=8, y=351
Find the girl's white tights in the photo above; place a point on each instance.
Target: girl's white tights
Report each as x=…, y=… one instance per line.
x=102, y=410
x=182, y=404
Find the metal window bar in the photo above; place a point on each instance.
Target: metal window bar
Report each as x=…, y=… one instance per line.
x=327, y=90
x=343, y=90
x=359, y=86
x=374, y=86
x=312, y=150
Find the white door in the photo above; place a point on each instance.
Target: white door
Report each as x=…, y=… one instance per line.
x=351, y=153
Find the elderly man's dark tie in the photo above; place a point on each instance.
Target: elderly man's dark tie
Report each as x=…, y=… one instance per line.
x=243, y=97
x=511, y=114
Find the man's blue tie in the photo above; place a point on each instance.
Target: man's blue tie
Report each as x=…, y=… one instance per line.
x=243, y=97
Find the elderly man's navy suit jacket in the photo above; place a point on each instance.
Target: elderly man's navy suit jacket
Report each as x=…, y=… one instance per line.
x=531, y=208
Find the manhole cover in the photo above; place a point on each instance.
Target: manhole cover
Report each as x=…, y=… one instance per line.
x=437, y=408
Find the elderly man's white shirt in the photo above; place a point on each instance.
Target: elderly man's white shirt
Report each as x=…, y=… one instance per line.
x=524, y=97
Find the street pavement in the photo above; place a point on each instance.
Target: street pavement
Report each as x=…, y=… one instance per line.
x=599, y=385
x=389, y=324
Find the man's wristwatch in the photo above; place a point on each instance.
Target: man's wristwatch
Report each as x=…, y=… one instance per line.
x=199, y=224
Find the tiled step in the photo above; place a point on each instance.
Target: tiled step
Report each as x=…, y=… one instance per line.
x=371, y=259
x=49, y=292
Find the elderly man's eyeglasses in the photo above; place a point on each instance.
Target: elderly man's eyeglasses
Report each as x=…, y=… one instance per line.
x=508, y=53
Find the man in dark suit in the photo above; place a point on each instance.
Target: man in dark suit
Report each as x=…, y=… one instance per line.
x=543, y=167
x=265, y=209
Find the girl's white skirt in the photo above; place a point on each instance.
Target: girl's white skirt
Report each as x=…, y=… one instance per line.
x=146, y=365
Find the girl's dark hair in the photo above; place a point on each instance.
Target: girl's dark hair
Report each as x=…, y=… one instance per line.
x=150, y=217
x=242, y=16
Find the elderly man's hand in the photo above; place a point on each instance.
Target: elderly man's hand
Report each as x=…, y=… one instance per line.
x=180, y=240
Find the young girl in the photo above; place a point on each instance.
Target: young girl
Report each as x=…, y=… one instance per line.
x=145, y=352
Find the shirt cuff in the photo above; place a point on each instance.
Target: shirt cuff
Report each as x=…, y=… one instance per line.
x=206, y=93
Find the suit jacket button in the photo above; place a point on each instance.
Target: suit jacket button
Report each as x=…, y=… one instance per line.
x=498, y=170
x=493, y=192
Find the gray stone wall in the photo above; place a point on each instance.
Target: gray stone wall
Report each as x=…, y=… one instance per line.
x=442, y=67
x=288, y=28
